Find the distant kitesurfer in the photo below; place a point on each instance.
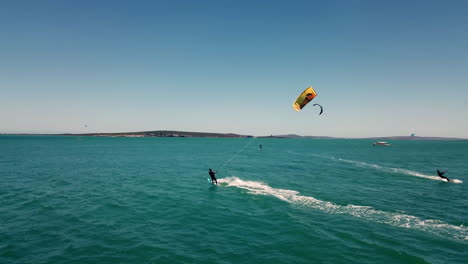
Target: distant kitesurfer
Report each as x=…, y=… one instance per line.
x=260, y=146
x=441, y=174
x=212, y=175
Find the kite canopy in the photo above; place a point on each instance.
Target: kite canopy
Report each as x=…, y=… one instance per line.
x=321, y=108
x=304, y=98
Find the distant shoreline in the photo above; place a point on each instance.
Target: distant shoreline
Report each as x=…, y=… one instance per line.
x=163, y=133
x=171, y=133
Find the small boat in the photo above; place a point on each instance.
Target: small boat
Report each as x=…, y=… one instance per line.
x=381, y=143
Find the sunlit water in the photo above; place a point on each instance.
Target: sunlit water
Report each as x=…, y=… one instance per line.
x=148, y=200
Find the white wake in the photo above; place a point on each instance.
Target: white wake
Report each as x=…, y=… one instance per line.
x=365, y=212
x=389, y=169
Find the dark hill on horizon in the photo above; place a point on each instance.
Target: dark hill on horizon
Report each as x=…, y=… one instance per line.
x=163, y=133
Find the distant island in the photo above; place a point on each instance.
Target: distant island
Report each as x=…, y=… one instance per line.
x=171, y=133
x=163, y=133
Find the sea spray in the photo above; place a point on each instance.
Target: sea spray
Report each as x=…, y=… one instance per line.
x=437, y=227
x=388, y=169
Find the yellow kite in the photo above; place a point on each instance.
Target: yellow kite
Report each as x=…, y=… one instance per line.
x=304, y=98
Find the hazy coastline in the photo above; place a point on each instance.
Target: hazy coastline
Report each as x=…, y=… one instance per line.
x=173, y=133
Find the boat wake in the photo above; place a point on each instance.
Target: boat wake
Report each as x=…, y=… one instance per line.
x=389, y=169
x=437, y=227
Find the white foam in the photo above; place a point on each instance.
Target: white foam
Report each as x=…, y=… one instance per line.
x=365, y=212
x=389, y=169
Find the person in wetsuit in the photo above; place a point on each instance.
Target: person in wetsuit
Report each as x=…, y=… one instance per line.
x=212, y=175
x=441, y=174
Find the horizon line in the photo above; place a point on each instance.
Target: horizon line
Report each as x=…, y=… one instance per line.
x=233, y=134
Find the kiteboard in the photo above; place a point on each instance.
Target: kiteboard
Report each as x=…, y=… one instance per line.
x=209, y=180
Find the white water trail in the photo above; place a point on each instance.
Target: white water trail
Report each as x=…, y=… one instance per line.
x=437, y=227
x=389, y=169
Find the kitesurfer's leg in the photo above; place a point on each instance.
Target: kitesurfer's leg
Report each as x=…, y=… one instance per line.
x=443, y=177
x=213, y=179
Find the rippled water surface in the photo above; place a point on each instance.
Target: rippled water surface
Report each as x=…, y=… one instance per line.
x=147, y=200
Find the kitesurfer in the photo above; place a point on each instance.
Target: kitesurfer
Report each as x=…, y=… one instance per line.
x=441, y=174
x=212, y=175
x=260, y=146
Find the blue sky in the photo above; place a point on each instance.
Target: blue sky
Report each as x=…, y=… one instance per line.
x=380, y=68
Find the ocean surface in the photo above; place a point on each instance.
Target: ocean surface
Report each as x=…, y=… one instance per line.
x=66, y=199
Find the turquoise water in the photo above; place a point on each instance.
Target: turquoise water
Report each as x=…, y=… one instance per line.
x=147, y=200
